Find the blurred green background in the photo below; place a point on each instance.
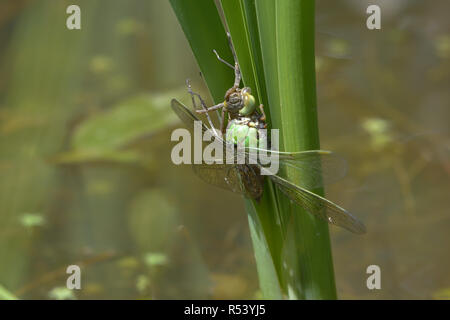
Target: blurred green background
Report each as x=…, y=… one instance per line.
x=86, y=176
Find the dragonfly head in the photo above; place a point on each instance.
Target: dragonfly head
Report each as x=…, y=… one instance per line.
x=240, y=101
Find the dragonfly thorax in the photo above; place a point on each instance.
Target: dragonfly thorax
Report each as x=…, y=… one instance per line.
x=247, y=132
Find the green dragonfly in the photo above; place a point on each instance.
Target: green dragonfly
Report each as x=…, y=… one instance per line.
x=246, y=123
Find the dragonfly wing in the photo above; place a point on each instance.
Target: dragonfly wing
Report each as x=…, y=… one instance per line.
x=188, y=118
x=316, y=168
x=186, y=115
x=221, y=175
x=252, y=180
x=286, y=155
x=241, y=179
x=319, y=206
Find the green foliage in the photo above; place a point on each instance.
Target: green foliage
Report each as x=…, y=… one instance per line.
x=313, y=267
x=29, y=220
x=5, y=294
x=263, y=216
x=292, y=248
x=203, y=29
x=153, y=259
x=62, y=293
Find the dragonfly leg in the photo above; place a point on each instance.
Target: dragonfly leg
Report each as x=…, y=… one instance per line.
x=222, y=60
x=202, y=102
x=230, y=43
x=237, y=75
x=237, y=71
x=222, y=122
x=188, y=85
x=263, y=114
x=206, y=110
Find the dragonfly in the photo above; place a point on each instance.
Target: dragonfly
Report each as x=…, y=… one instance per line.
x=315, y=167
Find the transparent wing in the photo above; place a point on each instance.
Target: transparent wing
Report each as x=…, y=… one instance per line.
x=241, y=179
x=220, y=175
x=186, y=115
x=319, y=206
x=238, y=179
x=188, y=118
x=316, y=167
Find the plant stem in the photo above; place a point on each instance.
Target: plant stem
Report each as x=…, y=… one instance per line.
x=312, y=262
x=203, y=28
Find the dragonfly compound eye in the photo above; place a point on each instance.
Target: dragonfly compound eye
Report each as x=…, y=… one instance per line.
x=249, y=104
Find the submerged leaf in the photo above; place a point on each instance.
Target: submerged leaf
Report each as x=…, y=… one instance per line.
x=62, y=293
x=30, y=220
x=153, y=259
x=104, y=136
